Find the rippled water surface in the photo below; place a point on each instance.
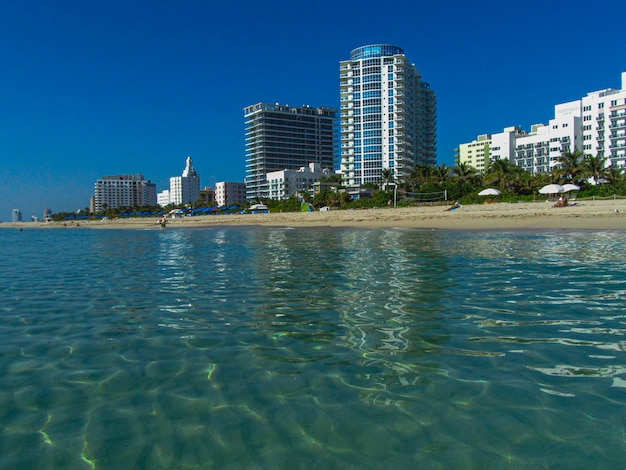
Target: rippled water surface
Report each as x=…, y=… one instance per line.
x=312, y=348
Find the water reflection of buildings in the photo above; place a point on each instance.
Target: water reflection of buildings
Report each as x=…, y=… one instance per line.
x=391, y=307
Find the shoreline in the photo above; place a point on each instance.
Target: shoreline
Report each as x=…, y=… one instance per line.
x=585, y=215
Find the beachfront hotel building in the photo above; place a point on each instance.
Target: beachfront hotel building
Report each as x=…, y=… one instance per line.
x=282, y=137
x=594, y=125
x=111, y=192
x=388, y=115
x=285, y=183
x=230, y=192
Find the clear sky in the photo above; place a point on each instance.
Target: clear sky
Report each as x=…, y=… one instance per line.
x=107, y=87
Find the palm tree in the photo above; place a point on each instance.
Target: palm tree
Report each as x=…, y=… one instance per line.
x=387, y=176
x=594, y=168
x=501, y=173
x=568, y=167
x=465, y=172
x=440, y=174
x=615, y=175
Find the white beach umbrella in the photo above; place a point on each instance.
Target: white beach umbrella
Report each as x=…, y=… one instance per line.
x=570, y=187
x=551, y=189
x=489, y=192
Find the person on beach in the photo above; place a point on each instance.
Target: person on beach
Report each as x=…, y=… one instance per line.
x=163, y=222
x=562, y=202
x=456, y=205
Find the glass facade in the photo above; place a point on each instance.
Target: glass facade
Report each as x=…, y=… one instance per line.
x=281, y=137
x=388, y=115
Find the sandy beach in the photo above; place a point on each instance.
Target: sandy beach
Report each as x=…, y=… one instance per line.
x=590, y=215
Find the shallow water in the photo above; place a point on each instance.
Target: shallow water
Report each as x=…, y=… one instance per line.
x=312, y=348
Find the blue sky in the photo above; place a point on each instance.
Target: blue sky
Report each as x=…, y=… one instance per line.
x=98, y=88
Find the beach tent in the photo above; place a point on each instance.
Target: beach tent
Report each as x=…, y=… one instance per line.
x=306, y=207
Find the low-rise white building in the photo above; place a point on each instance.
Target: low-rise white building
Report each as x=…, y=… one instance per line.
x=228, y=193
x=285, y=183
x=475, y=152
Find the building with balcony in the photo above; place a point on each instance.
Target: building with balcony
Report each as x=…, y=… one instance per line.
x=604, y=124
x=285, y=183
x=111, y=192
x=228, y=193
x=594, y=125
x=280, y=137
x=387, y=115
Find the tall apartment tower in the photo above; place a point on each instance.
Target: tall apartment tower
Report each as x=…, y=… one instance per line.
x=185, y=189
x=388, y=115
x=123, y=191
x=283, y=137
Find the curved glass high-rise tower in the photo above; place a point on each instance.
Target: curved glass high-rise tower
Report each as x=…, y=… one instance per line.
x=388, y=115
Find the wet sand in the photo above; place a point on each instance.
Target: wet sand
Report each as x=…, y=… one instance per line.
x=591, y=215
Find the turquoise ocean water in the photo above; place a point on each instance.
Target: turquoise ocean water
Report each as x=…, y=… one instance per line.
x=312, y=348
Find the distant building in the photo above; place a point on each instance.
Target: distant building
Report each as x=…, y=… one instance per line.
x=475, y=153
x=185, y=189
x=16, y=215
x=594, y=125
x=388, y=115
x=486, y=147
x=229, y=193
x=282, y=137
x=163, y=198
x=285, y=183
x=207, y=195
x=124, y=191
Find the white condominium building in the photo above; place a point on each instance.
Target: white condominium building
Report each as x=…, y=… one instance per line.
x=285, y=183
x=604, y=124
x=594, y=125
x=185, y=189
x=388, y=115
x=228, y=193
x=538, y=151
x=124, y=191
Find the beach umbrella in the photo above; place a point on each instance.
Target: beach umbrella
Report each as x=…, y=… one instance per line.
x=551, y=189
x=489, y=192
x=570, y=187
